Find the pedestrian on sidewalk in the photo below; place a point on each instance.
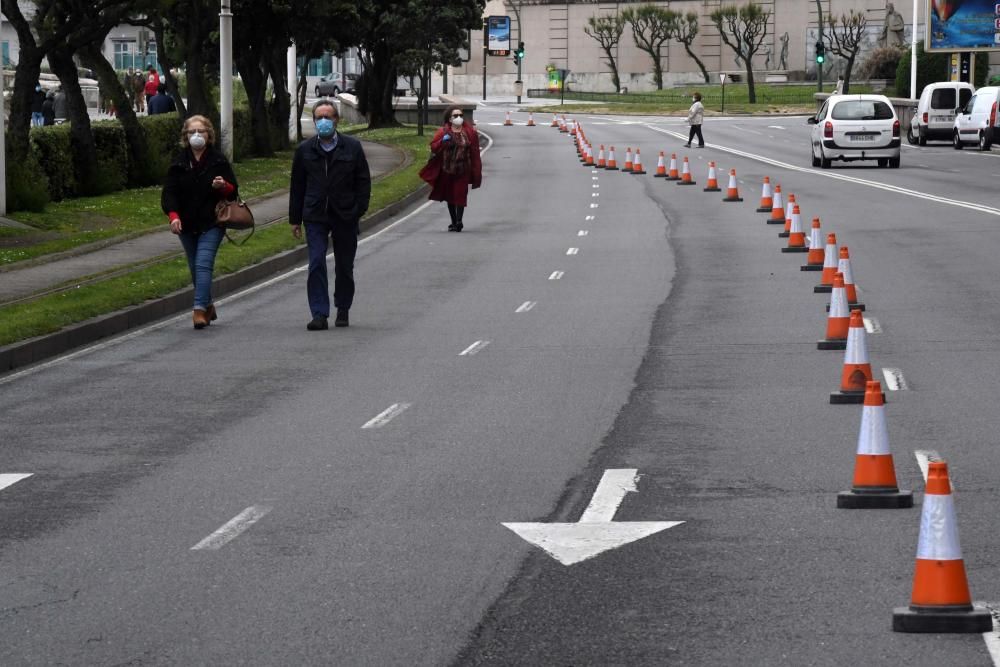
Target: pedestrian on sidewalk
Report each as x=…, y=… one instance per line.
x=198, y=178
x=37, y=100
x=455, y=164
x=48, y=106
x=330, y=191
x=160, y=102
x=696, y=115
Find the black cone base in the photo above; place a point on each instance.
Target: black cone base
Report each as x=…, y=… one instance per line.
x=686, y=183
x=673, y=178
x=905, y=619
x=811, y=267
x=795, y=249
x=660, y=176
x=712, y=190
x=612, y=168
x=891, y=500
x=823, y=289
x=850, y=306
x=732, y=199
x=850, y=397
x=638, y=172
x=775, y=222
x=834, y=344
x=765, y=210
x=784, y=235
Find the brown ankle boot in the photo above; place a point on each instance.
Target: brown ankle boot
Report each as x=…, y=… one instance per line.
x=211, y=314
x=200, y=319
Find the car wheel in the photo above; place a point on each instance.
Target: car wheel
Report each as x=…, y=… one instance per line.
x=824, y=162
x=815, y=159
x=883, y=162
x=956, y=141
x=984, y=141
x=336, y=91
x=922, y=138
x=317, y=91
x=894, y=163
x=910, y=136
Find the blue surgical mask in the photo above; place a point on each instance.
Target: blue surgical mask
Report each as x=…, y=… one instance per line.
x=325, y=127
x=38, y=89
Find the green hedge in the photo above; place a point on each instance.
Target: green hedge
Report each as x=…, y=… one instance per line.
x=933, y=67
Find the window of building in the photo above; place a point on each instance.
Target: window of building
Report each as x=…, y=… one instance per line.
x=6, y=54
x=124, y=54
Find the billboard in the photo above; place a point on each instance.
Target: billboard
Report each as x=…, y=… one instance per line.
x=498, y=35
x=963, y=25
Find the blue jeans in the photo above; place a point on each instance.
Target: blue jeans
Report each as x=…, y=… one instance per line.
x=37, y=120
x=200, y=250
x=345, y=247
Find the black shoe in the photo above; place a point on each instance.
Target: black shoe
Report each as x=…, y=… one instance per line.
x=701, y=145
x=318, y=324
x=453, y=227
x=459, y=226
x=687, y=145
x=342, y=320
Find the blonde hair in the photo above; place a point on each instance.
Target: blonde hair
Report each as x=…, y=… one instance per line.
x=209, y=130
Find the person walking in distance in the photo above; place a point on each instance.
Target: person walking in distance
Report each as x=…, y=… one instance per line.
x=696, y=114
x=152, y=83
x=139, y=91
x=456, y=164
x=330, y=190
x=198, y=178
x=37, y=100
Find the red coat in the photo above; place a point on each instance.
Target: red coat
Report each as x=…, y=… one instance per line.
x=454, y=188
x=152, y=82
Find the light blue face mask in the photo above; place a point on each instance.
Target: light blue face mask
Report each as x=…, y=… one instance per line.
x=325, y=127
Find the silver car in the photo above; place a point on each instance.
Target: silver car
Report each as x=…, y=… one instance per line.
x=855, y=127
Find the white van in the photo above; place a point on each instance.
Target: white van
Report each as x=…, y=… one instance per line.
x=936, y=110
x=977, y=123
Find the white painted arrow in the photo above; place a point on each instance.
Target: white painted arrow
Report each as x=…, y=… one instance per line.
x=596, y=531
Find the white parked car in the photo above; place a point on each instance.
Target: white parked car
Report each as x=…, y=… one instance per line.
x=977, y=122
x=855, y=127
x=936, y=110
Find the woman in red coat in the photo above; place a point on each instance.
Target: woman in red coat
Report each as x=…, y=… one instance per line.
x=456, y=150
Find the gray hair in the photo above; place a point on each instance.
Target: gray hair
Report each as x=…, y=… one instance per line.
x=326, y=103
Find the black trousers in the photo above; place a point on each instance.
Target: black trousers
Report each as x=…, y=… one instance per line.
x=456, y=212
x=696, y=130
x=345, y=248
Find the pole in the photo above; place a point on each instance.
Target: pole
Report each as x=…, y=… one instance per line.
x=913, y=53
x=486, y=37
x=3, y=140
x=226, y=79
x=293, y=112
x=519, y=82
x=723, y=96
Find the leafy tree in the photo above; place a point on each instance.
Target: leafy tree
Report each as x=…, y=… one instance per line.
x=685, y=29
x=845, y=38
x=188, y=29
x=607, y=31
x=650, y=29
x=743, y=29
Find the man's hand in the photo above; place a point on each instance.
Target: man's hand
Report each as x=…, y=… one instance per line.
x=297, y=231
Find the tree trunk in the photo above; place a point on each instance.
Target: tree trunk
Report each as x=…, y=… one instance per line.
x=847, y=73
x=751, y=91
x=19, y=124
x=280, y=109
x=134, y=134
x=614, y=70
x=199, y=99
x=81, y=136
x=381, y=84
x=255, y=83
x=701, y=65
x=168, y=65
x=657, y=69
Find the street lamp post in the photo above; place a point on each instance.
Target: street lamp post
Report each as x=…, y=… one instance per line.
x=913, y=53
x=226, y=79
x=293, y=89
x=3, y=135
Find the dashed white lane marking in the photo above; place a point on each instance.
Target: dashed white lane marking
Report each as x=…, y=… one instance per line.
x=557, y=275
x=595, y=194
x=594, y=178
x=526, y=306
x=894, y=379
x=387, y=415
x=232, y=528
x=590, y=217
x=582, y=232
x=775, y=127
x=572, y=251
x=475, y=347
x=872, y=326
x=594, y=205
x=595, y=186
x=594, y=171
x=11, y=478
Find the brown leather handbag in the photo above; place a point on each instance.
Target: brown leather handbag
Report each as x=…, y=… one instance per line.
x=234, y=214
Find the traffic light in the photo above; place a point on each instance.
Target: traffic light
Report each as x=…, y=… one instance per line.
x=820, y=52
x=520, y=51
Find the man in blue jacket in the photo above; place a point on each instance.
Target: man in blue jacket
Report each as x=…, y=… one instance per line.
x=330, y=191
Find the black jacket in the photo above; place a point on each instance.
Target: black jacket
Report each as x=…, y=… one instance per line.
x=48, y=112
x=188, y=188
x=332, y=187
x=37, y=99
x=160, y=103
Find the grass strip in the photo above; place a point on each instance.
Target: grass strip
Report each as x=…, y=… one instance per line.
x=50, y=313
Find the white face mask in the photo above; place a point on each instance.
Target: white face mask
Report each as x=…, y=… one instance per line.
x=457, y=122
x=197, y=141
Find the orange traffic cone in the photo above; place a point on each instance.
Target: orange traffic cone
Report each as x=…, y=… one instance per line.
x=796, y=237
x=941, y=601
x=531, y=119
x=766, y=202
x=563, y=125
x=590, y=155
x=733, y=191
x=844, y=266
x=601, y=163
x=838, y=320
x=507, y=122
x=777, y=208
x=713, y=180
x=857, y=368
x=612, y=164
x=814, y=260
x=572, y=127
x=628, y=160
x=673, y=174
x=686, y=174
x=789, y=207
x=661, y=169
x=829, y=265
x=637, y=165
x=874, y=485
x=555, y=121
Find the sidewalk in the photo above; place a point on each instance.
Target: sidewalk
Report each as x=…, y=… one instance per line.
x=20, y=283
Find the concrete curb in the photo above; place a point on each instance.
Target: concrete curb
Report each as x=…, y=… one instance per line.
x=34, y=350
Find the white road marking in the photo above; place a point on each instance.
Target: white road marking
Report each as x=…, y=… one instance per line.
x=594, y=205
x=982, y=208
x=595, y=194
x=894, y=379
x=572, y=251
x=609, y=495
x=582, y=232
x=526, y=306
x=232, y=528
x=747, y=129
x=992, y=638
x=775, y=127
x=11, y=478
x=595, y=186
x=595, y=178
x=557, y=275
x=387, y=415
x=872, y=326
x=923, y=457
x=594, y=171
x=590, y=217
x=475, y=347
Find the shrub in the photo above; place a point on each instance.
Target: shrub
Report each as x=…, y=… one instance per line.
x=162, y=138
x=112, y=157
x=27, y=186
x=882, y=63
x=51, y=148
x=931, y=68
x=242, y=134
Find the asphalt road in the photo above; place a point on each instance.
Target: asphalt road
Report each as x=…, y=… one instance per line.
x=369, y=470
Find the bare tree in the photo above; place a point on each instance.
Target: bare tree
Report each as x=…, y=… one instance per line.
x=845, y=38
x=607, y=31
x=650, y=29
x=685, y=29
x=743, y=29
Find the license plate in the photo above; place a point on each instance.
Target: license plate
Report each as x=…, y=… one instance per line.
x=864, y=137
x=942, y=119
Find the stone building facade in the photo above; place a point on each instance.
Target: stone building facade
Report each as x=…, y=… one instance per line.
x=553, y=36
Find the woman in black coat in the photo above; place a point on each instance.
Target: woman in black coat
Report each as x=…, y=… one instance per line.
x=199, y=177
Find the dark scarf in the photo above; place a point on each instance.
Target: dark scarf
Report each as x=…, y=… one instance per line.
x=457, y=159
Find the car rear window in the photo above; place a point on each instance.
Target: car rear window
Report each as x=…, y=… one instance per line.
x=943, y=98
x=964, y=95
x=862, y=110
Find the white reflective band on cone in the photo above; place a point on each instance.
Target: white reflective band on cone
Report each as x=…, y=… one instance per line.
x=814, y=239
x=796, y=223
x=857, y=350
x=873, y=436
x=776, y=201
x=830, y=259
x=844, y=266
x=938, y=529
x=838, y=303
